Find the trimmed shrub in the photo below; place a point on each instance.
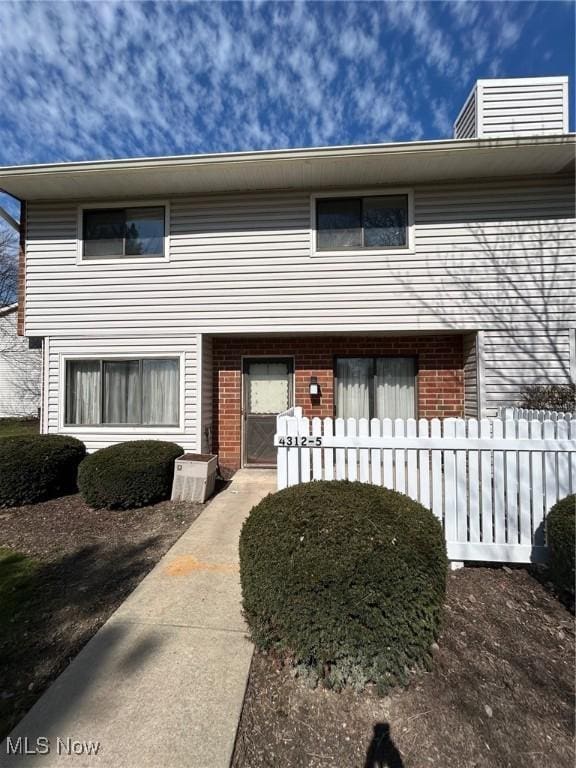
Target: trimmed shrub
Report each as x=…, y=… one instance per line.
x=561, y=532
x=549, y=397
x=128, y=475
x=347, y=580
x=38, y=467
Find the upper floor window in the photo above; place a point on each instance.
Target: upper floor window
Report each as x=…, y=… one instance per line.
x=123, y=233
x=374, y=222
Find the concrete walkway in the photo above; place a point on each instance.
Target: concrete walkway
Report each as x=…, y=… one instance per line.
x=163, y=681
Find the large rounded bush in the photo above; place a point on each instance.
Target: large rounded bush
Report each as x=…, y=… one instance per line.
x=128, y=475
x=561, y=531
x=345, y=579
x=37, y=467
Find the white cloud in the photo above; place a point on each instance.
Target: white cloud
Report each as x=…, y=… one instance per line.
x=86, y=80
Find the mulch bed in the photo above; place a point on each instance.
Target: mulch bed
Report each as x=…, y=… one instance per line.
x=88, y=562
x=500, y=694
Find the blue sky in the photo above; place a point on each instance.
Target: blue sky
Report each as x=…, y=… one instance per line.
x=103, y=80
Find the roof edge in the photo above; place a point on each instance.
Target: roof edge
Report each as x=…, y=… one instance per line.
x=351, y=150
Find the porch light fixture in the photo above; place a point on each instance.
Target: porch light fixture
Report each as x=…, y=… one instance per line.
x=314, y=386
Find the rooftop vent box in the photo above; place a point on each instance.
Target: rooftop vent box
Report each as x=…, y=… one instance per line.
x=525, y=106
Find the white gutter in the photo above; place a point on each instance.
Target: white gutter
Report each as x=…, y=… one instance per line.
x=361, y=150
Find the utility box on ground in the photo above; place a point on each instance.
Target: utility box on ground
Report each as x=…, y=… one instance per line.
x=194, y=477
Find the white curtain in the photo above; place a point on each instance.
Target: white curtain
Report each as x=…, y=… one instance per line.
x=83, y=392
x=353, y=376
x=160, y=392
x=121, y=392
x=395, y=388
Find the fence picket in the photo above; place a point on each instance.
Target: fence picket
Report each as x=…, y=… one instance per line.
x=499, y=487
x=304, y=431
x=328, y=452
x=538, y=508
x=450, y=510
x=524, y=488
x=437, y=494
x=563, y=461
x=461, y=486
x=399, y=459
x=293, y=452
x=387, y=456
x=412, y=461
x=351, y=453
x=423, y=467
x=474, y=490
x=364, y=456
x=340, y=452
x=573, y=458
x=486, y=485
x=375, y=455
x=316, y=452
x=550, y=486
x=511, y=486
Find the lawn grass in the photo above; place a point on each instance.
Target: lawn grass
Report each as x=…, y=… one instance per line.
x=16, y=584
x=12, y=426
x=18, y=602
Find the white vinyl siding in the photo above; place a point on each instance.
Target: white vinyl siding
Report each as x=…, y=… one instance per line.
x=20, y=372
x=465, y=126
x=515, y=107
x=470, y=353
x=62, y=349
x=513, y=360
x=494, y=255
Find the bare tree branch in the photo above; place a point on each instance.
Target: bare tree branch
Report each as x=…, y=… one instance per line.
x=8, y=266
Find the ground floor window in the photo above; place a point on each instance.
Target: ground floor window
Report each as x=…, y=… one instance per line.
x=376, y=387
x=141, y=391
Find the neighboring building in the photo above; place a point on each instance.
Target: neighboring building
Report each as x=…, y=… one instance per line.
x=20, y=369
x=192, y=298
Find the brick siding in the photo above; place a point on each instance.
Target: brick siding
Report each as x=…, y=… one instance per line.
x=440, y=386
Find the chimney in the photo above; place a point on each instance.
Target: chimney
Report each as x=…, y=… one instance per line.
x=524, y=106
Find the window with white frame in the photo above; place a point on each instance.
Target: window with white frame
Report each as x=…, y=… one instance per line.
x=137, y=392
x=123, y=233
x=375, y=387
x=355, y=223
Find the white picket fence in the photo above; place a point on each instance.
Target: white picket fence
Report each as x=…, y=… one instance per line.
x=512, y=412
x=490, y=482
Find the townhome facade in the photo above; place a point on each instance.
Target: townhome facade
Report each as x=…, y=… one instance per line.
x=194, y=298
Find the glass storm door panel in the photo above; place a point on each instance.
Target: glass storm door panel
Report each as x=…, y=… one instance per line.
x=267, y=392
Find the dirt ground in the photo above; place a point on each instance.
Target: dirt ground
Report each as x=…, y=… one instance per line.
x=85, y=562
x=500, y=694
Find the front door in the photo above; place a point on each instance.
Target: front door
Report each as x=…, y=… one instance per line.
x=268, y=391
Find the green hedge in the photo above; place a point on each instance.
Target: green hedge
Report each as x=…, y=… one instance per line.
x=37, y=467
x=561, y=532
x=345, y=579
x=128, y=475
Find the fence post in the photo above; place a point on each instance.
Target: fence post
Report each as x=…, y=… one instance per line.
x=282, y=456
